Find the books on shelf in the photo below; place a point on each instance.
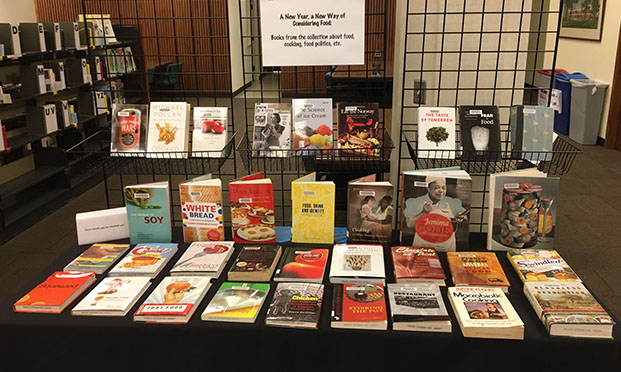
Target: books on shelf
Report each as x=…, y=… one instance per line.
x=128, y=129
x=312, y=209
x=301, y=264
x=97, y=258
x=358, y=128
x=168, y=132
x=272, y=129
x=370, y=210
x=204, y=258
x=418, y=307
x=112, y=297
x=209, y=133
x=359, y=306
x=255, y=263
x=252, y=210
x=55, y=293
x=174, y=300
x=357, y=263
x=436, y=132
x=148, y=212
x=532, y=132
x=145, y=260
x=417, y=265
x=569, y=309
x=312, y=125
x=480, y=133
x=236, y=302
x=202, y=209
x=541, y=265
x=480, y=269
x=296, y=305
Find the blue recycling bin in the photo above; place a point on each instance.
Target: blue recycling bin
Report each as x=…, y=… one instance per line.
x=562, y=83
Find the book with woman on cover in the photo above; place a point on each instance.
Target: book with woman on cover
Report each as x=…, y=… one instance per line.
x=370, y=210
x=272, y=129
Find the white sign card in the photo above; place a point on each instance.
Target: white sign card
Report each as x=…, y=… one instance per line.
x=312, y=33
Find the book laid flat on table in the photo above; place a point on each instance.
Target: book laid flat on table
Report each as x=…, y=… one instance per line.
x=357, y=263
x=539, y=265
x=255, y=263
x=358, y=128
x=148, y=212
x=485, y=313
x=480, y=133
x=370, y=210
x=300, y=264
x=129, y=129
x=359, y=306
x=209, y=134
x=532, y=131
x=480, y=269
x=145, y=260
x=295, y=305
x=201, y=209
x=174, y=300
x=312, y=123
x=312, y=209
x=417, y=264
x=272, y=129
x=418, y=307
x=168, y=130
x=236, y=302
x=569, y=309
x=204, y=258
x=436, y=132
x=55, y=293
x=252, y=210
x=112, y=296
x=97, y=258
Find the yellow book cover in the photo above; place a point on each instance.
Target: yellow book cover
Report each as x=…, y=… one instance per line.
x=312, y=210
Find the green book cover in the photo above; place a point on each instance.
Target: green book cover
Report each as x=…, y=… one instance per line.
x=148, y=213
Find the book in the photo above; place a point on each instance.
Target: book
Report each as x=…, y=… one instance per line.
x=4, y=145
x=312, y=209
x=272, y=130
x=301, y=264
x=97, y=258
x=174, y=300
x=418, y=307
x=481, y=269
x=55, y=293
x=485, y=313
x=540, y=265
x=209, y=133
x=357, y=263
x=312, y=125
x=204, y=258
x=359, y=306
x=112, y=297
x=436, y=132
x=532, y=130
x=201, y=209
x=145, y=260
x=358, y=128
x=255, y=263
x=296, y=305
x=435, y=209
x=370, y=210
x=252, y=210
x=569, y=309
x=417, y=264
x=102, y=225
x=522, y=210
x=480, y=133
x=129, y=129
x=236, y=302
x=148, y=212
x=168, y=132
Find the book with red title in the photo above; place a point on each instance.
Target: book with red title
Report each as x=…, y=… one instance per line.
x=417, y=264
x=480, y=269
x=359, y=306
x=302, y=265
x=55, y=293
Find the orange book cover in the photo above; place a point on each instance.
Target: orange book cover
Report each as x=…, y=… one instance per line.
x=476, y=269
x=56, y=289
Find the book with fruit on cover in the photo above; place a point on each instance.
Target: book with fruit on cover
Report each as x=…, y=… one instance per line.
x=201, y=209
x=236, y=302
x=174, y=300
x=255, y=263
x=357, y=263
x=209, y=133
x=204, y=258
x=418, y=307
x=417, y=264
x=480, y=133
x=312, y=210
x=359, y=306
x=299, y=264
x=312, y=125
x=295, y=305
x=55, y=293
x=540, y=265
x=479, y=269
x=436, y=132
x=129, y=129
x=569, y=309
x=358, y=128
x=272, y=130
x=370, y=211
x=252, y=210
x=145, y=260
x=97, y=258
x=485, y=313
x=112, y=296
x=148, y=212
x=169, y=127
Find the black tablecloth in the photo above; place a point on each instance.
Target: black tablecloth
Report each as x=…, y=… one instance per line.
x=51, y=341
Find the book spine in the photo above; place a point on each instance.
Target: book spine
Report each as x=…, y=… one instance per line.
x=337, y=303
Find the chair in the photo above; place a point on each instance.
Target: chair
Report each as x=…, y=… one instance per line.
x=170, y=77
x=150, y=75
x=341, y=92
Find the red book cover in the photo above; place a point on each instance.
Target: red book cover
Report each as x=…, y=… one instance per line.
x=302, y=264
x=359, y=303
x=55, y=291
x=252, y=211
x=417, y=263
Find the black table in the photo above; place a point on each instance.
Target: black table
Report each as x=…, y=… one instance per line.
x=49, y=342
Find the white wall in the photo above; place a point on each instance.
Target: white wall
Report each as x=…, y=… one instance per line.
x=12, y=11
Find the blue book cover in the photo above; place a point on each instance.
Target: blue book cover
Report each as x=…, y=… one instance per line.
x=532, y=129
x=148, y=213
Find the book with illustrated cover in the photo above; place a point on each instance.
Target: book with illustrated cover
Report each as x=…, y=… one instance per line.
x=55, y=293
x=485, y=313
x=252, y=209
x=418, y=307
x=236, y=302
x=300, y=264
x=204, y=258
x=358, y=128
x=148, y=212
x=357, y=263
x=145, y=260
x=209, y=134
x=201, y=209
x=312, y=123
x=540, y=265
x=417, y=264
x=255, y=263
x=168, y=133
x=436, y=132
x=480, y=133
x=272, y=130
x=295, y=305
x=569, y=309
x=370, y=210
x=532, y=130
x=112, y=297
x=97, y=258
x=312, y=209
x=480, y=269
x=359, y=306
x=129, y=129
x=174, y=300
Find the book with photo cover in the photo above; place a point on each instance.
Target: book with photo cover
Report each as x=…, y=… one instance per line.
x=112, y=296
x=148, y=212
x=359, y=306
x=129, y=129
x=295, y=305
x=202, y=209
x=209, y=133
x=541, y=265
x=272, y=130
x=236, y=302
x=480, y=133
x=357, y=263
x=417, y=264
x=145, y=260
x=436, y=132
x=255, y=263
x=418, y=307
x=302, y=264
x=370, y=211
x=204, y=258
x=168, y=132
x=312, y=123
x=358, y=128
x=252, y=210
x=97, y=258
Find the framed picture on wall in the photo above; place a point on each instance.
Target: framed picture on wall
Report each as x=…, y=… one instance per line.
x=583, y=19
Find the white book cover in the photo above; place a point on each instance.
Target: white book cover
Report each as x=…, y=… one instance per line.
x=312, y=124
x=206, y=258
x=168, y=129
x=272, y=129
x=436, y=131
x=352, y=261
x=114, y=296
x=145, y=260
x=209, y=133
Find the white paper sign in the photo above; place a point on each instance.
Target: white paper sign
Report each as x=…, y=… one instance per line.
x=308, y=33
x=556, y=102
